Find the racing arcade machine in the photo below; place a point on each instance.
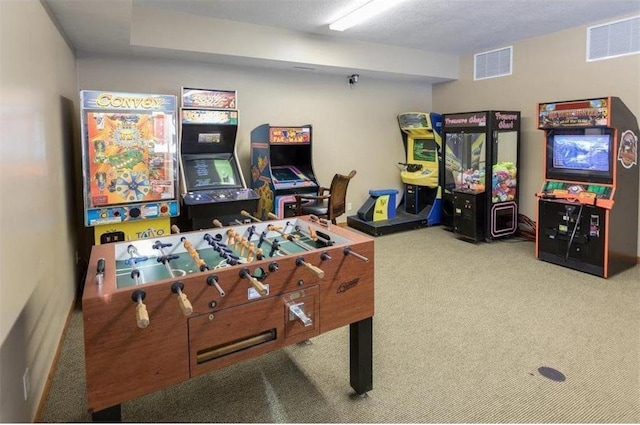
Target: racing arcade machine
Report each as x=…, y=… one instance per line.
x=420, y=207
x=588, y=205
x=212, y=183
x=281, y=168
x=480, y=172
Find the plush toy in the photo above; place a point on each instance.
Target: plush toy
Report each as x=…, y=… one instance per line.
x=503, y=182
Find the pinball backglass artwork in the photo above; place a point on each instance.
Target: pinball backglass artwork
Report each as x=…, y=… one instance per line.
x=129, y=156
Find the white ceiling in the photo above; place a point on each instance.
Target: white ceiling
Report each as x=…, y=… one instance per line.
x=453, y=27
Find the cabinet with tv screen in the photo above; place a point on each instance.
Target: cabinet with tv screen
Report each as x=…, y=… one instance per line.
x=206, y=172
x=584, y=156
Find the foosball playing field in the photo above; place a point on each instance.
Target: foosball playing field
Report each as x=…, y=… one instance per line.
x=177, y=256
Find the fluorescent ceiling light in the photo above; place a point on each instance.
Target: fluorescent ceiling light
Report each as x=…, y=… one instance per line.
x=367, y=11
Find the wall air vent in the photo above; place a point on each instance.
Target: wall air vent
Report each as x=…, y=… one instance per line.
x=613, y=39
x=494, y=63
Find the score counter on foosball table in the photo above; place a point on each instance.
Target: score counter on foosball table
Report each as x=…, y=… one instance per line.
x=160, y=311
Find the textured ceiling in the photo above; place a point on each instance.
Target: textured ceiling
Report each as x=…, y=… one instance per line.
x=447, y=26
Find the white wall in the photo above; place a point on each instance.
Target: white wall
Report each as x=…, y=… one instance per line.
x=352, y=128
x=36, y=247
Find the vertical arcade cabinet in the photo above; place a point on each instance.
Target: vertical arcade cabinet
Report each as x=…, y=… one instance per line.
x=480, y=173
x=587, y=216
x=212, y=183
x=420, y=206
x=129, y=162
x=281, y=168
x=421, y=136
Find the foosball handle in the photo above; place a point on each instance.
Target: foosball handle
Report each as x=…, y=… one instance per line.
x=142, y=316
x=183, y=302
x=318, y=272
x=216, y=223
x=246, y=214
x=175, y=229
x=272, y=216
x=258, y=286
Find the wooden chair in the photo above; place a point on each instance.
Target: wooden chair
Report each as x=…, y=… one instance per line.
x=328, y=203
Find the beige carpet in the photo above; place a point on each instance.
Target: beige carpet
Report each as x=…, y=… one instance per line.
x=460, y=332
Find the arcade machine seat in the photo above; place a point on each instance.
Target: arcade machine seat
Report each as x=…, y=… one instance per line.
x=331, y=205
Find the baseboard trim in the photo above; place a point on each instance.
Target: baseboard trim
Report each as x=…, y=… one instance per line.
x=54, y=365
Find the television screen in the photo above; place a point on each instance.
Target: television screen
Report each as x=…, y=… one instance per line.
x=204, y=172
x=581, y=152
x=580, y=157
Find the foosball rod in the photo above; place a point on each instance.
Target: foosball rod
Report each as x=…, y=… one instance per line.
x=289, y=236
x=246, y=214
x=263, y=238
x=349, y=251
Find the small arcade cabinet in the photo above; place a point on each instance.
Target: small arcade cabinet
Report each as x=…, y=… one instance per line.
x=129, y=163
x=480, y=173
x=420, y=206
x=588, y=206
x=281, y=168
x=212, y=183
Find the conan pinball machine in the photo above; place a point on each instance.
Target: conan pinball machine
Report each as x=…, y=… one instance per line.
x=588, y=205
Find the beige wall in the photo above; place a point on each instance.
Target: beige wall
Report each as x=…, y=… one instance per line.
x=36, y=248
x=545, y=69
x=352, y=128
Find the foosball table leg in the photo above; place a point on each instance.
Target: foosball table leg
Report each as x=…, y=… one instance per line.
x=361, y=356
x=111, y=414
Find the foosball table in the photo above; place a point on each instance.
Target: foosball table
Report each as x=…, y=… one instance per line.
x=160, y=311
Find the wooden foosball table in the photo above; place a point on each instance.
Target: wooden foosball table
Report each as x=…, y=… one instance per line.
x=161, y=311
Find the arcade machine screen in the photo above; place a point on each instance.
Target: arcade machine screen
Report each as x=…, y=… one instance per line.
x=579, y=156
x=425, y=150
x=205, y=172
x=284, y=174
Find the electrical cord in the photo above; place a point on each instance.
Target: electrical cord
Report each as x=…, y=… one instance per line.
x=573, y=234
x=526, y=228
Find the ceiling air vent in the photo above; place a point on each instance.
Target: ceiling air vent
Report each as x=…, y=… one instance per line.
x=494, y=63
x=618, y=38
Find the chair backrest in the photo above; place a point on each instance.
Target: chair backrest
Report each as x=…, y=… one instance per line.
x=338, y=190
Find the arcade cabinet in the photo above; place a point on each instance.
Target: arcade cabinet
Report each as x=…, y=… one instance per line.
x=587, y=216
x=281, y=168
x=480, y=174
x=212, y=185
x=129, y=162
x=421, y=203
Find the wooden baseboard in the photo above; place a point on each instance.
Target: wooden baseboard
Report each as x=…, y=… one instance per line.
x=54, y=364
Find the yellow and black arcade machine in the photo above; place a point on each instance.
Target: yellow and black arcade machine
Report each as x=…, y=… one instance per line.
x=129, y=163
x=212, y=184
x=587, y=216
x=480, y=174
x=421, y=203
x=281, y=167
x=421, y=136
